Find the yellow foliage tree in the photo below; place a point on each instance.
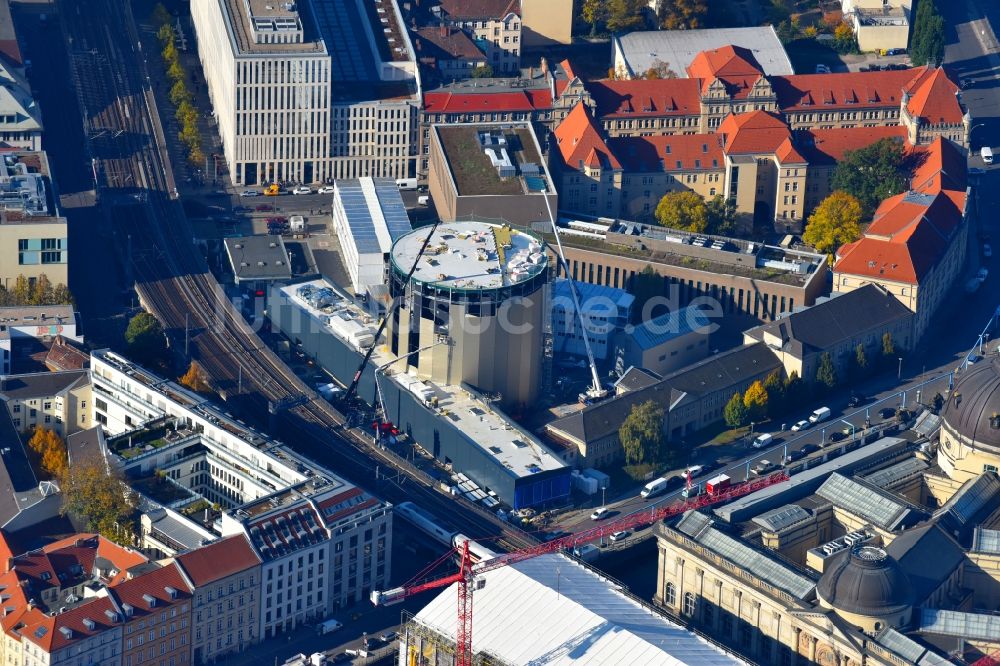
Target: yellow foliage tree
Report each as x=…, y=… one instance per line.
x=194, y=379
x=837, y=220
x=683, y=210
x=51, y=451
x=755, y=400
x=102, y=499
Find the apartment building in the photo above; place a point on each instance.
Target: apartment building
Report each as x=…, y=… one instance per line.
x=226, y=579
x=310, y=91
x=495, y=25
x=156, y=609
x=32, y=234
x=449, y=53
x=297, y=516
x=58, y=401
x=915, y=247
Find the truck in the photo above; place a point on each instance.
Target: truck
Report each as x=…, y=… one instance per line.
x=654, y=488
x=717, y=484
x=821, y=414
x=328, y=626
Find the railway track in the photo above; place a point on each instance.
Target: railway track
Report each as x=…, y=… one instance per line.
x=174, y=282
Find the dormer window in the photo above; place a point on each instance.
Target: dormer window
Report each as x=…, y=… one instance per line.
x=149, y=599
x=171, y=592
x=995, y=421
x=128, y=610
x=90, y=624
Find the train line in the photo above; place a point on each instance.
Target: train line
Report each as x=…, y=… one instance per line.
x=174, y=283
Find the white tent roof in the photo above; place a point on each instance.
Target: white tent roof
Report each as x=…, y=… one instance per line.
x=553, y=610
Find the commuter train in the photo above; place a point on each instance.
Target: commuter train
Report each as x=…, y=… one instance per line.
x=427, y=524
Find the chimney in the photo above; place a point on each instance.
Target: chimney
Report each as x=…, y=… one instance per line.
x=545, y=67
x=443, y=30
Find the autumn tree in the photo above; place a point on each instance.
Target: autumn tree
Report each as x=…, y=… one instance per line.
x=641, y=434
x=160, y=15
x=594, y=12
x=660, y=70
x=50, y=450
x=843, y=38
x=826, y=373
x=101, y=498
x=683, y=14
x=735, y=411
x=837, y=220
x=755, y=401
x=888, y=345
x=775, y=388
x=685, y=211
x=43, y=292
x=625, y=15
x=145, y=339
x=860, y=361
x=482, y=72
x=872, y=174
x=195, y=379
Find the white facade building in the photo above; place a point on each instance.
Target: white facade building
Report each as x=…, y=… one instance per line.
x=310, y=91
x=605, y=311
x=323, y=542
x=368, y=216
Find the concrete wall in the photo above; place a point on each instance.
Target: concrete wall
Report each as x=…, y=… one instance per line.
x=546, y=22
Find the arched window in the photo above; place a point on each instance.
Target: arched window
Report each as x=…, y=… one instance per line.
x=689, y=604
x=670, y=595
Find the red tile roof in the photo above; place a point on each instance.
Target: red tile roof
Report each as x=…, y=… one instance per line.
x=580, y=143
x=462, y=9
x=218, y=560
x=912, y=231
x=828, y=146
x=152, y=583
x=277, y=534
x=641, y=98
x=679, y=152
x=522, y=100
x=46, y=631
x=733, y=65
x=753, y=133
x=850, y=90
x=63, y=356
x=787, y=153
x=933, y=99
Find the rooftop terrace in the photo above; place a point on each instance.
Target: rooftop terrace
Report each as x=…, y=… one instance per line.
x=509, y=163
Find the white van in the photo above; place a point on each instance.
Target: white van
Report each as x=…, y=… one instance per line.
x=987, y=154
x=821, y=414
x=762, y=440
x=406, y=183
x=653, y=488
x=328, y=626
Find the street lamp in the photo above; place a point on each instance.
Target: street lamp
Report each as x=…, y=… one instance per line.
x=899, y=372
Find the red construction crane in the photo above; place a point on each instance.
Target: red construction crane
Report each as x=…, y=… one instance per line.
x=988, y=660
x=468, y=570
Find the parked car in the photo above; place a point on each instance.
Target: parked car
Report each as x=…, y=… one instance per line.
x=326, y=189
x=600, y=513
x=389, y=636
x=302, y=189
x=801, y=425
x=342, y=657
x=983, y=274
x=794, y=456
x=764, y=467
x=887, y=412
x=809, y=449
x=837, y=436
x=619, y=536
x=892, y=52
x=694, y=470
x=249, y=193
x=762, y=440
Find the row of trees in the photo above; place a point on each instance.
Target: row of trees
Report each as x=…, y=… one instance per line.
x=180, y=96
x=927, y=43
x=775, y=396
x=42, y=292
x=844, y=39
x=688, y=211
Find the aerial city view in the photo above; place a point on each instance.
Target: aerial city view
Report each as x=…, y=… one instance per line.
x=499, y=332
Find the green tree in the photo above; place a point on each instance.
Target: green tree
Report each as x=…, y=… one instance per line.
x=826, y=373
x=196, y=156
x=22, y=291
x=888, y=345
x=41, y=293
x=641, y=434
x=594, y=12
x=145, y=339
x=482, y=72
x=927, y=41
x=625, y=15
x=721, y=215
x=735, y=411
x=683, y=14
x=836, y=220
x=860, y=359
x=796, y=391
x=872, y=174
x=179, y=93
x=165, y=34
x=169, y=53
x=175, y=71
x=645, y=285
x=755, y=401
x=684, y=211
x=775, y=388
x=101, y=498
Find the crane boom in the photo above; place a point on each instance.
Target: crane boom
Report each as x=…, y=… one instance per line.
x=393, y=306
x=468, y=570
x=992, y=659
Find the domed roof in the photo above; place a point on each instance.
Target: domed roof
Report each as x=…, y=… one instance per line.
x=866, y=581
x=973, y=409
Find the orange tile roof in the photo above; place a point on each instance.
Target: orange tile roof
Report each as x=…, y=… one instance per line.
x=933, y=99
x=753, y=133
x=46, y=631
x=943, y=168
x=218, y=560
x=829, y=146
x=847, y=90
x=641, y=98
x=733, y=65
x=787, y=153
x=678, y=152
x=580, y=143
x=152, y=583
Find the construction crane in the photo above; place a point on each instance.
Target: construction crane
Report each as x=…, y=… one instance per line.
x=468, y=571
x=393, y=306
x=989, y=660
x=596, y=390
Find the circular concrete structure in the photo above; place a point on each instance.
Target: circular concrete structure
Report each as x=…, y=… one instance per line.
x=970, y=422
x=867, y=588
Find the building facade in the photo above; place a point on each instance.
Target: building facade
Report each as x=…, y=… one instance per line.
x=58, y=401
x=495, y=25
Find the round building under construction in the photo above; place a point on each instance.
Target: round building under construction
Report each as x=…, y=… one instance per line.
x=473, y=310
